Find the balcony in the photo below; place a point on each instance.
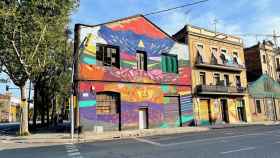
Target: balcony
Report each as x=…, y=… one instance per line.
x=225, y=67
x=220, y=90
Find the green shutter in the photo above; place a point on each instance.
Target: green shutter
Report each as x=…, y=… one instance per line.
x=163, y=63
x=174, y=65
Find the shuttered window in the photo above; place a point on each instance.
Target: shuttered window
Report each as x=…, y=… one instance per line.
x=169, y=63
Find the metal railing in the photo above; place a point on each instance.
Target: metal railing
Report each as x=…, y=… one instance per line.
x=220, y=89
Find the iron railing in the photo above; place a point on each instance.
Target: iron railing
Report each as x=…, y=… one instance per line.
x=220, y=89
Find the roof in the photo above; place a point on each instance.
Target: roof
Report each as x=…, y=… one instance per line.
x=126, y=18
x=264, y=86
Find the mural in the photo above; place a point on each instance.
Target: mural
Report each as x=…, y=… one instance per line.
x=137, y=88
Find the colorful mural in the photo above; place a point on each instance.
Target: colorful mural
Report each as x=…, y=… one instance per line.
x=137, y=88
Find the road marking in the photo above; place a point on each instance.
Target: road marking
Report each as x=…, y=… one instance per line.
x=238, y=150
x=213, y=139
x=74, y=154
x=148, y=141
x=73, y=151
x=277, y=142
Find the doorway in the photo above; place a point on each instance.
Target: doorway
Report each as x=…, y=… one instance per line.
x=205, y=112
x=224, y=107
x=241, y=111
x=143, y=118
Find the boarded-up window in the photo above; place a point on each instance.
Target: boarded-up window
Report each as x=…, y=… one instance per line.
x=169, y=63
x=107, y=55
x=107, y=103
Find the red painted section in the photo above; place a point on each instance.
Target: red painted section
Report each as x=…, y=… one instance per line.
x=138, y=25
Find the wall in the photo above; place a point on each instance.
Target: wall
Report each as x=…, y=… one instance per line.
x=136, y=87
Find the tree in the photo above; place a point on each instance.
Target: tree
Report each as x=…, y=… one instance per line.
x=29, y=32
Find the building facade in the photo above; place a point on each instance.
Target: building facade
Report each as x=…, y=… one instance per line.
x=263, y=71
x=262, y=59
x=9, y=111
x=218, y=76
x=265, y=99
x=130, y=74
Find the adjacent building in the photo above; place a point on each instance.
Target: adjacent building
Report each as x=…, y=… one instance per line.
x=263, y=71
x=261, y=59
x=129, y=74
x=218, y=76
x=265, y=99
x=9, y=108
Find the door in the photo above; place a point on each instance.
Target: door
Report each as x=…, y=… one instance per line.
x=143, y=118
x=270, y=110
x=241, y=111
x=205, y=112
x=224, y=107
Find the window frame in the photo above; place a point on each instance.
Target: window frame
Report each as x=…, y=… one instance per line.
x=204, y=80
x=105, y=52
x=112, y=110
x=145, y=66
x=171, y=56
x=258, y=107
x=214, y=78
x=264, y=59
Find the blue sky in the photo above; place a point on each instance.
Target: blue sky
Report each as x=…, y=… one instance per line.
x=234, y=16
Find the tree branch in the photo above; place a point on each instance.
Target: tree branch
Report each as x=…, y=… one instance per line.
x=40, y=39
x=20, y=59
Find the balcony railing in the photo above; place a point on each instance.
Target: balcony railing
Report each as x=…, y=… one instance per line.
x=229, y=67
x=219, y=89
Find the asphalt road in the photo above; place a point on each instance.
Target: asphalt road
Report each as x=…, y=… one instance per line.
x=241, y=142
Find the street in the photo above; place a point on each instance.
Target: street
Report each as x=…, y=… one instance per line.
x=240, y=142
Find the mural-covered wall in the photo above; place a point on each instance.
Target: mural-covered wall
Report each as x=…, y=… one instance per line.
x=153, y=89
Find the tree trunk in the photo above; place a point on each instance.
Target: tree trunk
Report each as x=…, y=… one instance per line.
x=24, y=111
x=48, y=114
x=35, y=105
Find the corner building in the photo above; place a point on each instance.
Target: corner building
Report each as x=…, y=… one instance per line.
x=218, y=76
x=130, y=74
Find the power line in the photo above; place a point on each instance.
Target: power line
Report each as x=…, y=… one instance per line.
x=169, y=9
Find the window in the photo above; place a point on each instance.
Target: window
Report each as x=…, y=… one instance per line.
x=238, y=81
x=169, y=63
x=216, y=79
x=107, y=55
x=223, y=58
x=107, y=103
x=202, y=78
x=264, y=58
x=226, y=80
x=258, y=106
x=141, y=58
x=235, y=56
x=200, y=53
x=224, y=51
x=213, y=57
x=277, y=63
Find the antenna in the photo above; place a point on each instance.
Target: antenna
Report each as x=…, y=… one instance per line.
x=215, y=22
x=275, y=38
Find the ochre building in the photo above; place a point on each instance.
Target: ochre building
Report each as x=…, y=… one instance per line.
x=218, y=76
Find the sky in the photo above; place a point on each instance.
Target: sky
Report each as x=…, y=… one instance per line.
x=234, y=16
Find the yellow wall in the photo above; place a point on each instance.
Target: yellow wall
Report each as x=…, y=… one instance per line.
x=231, y=44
